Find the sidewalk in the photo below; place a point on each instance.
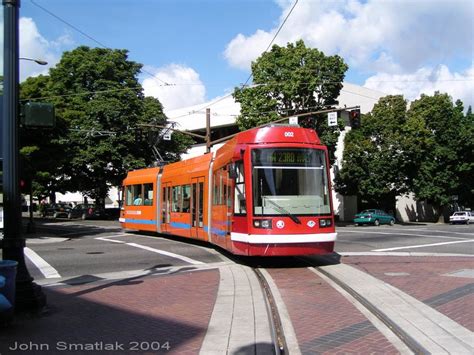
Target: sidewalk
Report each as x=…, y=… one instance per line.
x=221, y=310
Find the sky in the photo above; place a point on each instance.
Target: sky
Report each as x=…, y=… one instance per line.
x=204, y=48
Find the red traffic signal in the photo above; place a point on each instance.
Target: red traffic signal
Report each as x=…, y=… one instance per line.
x=25, y=186
x=354, y=118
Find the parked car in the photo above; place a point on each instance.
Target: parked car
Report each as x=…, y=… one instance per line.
x=462, y=217
x=375, y=217
x=56, y=210
x=86, y=211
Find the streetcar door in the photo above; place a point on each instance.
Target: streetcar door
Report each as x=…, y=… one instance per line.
x=166, y=207
x=197, y=208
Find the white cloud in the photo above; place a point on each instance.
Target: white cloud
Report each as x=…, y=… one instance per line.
x=185, y=89
x=426, y=81
x=408, y=46
x=33, y=45
x=410, y=33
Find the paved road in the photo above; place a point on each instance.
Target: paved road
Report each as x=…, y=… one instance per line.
x=416, y=238
x=75, y=249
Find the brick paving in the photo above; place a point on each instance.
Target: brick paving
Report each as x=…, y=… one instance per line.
x=324, y=321
x=138, y=316
x=426, y=278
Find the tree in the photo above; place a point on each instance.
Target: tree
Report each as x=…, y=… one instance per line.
x=441, y=150
x=170, y=150
x=41, y=158
x=374, y=163
x=99, y=105
x=427, y=150
x=292, y=80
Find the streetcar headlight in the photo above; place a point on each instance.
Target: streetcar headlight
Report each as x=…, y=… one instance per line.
x=327, y=222
x=262, y=223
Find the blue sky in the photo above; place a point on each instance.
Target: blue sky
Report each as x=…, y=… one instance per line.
x=205, y=46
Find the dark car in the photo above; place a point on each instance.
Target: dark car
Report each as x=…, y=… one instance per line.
x=375, y=217
x=86, y=211
x=56, y=210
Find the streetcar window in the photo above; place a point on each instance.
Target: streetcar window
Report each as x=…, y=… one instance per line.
x=289, y=181
x=176, y=200
x=186, y=202
x=218, y=187
x=134, y=196
x=148, y=194
x=129, y=195
x=239, y=190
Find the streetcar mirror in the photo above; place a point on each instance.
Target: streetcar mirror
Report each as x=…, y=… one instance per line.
x=233, y=171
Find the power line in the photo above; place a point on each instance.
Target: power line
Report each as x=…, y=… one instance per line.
x=274, y=37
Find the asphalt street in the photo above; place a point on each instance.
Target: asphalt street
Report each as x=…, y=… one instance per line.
x=73, y=250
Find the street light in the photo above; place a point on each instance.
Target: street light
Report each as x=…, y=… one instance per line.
x=37, y=61
x=28, y=294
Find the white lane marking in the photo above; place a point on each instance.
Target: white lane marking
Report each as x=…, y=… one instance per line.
x=158, y=251
x=46, y=269
x=424, y=245
x=173, y=255
x=111, y=240
x=399, y=253
x=411, y=235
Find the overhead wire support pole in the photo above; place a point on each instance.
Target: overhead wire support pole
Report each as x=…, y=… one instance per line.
x=208, y=130
x=28, y=294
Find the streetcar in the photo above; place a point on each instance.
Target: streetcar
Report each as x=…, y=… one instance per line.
x=265, y=192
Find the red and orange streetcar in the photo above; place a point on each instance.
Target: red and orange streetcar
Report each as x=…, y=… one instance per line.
x=266, y=192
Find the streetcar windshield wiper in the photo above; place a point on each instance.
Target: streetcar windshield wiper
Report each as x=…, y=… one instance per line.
x=284, y=211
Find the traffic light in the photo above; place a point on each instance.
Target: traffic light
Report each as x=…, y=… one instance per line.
x=354, y=118
x=25, y=186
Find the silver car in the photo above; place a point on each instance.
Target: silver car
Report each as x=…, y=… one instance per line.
x=462, y=217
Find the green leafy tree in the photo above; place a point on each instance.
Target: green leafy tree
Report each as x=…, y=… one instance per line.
x=441, y=150
x=41, y=158
x=427, y=150
x=374, y=163
x=99, y=106
x=289, y=81
x=170, y=150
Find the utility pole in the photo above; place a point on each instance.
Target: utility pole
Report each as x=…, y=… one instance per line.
x=208, y=130
x=29, y=296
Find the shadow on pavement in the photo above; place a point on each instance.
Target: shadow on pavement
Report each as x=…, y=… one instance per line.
x=106, y=319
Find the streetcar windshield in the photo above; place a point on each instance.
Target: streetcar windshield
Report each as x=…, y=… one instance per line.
x=290, y=181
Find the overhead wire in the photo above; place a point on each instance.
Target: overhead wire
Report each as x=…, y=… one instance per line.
x=274, y=37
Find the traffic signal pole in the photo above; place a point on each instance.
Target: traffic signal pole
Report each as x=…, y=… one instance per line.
x=29, y=296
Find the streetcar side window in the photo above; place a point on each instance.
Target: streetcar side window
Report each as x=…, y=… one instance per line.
x=134, y=195
x=129, y=195
x=181, y=198
x=175, y=202
x=148, y=194
x=186, y=203
x=239, y=193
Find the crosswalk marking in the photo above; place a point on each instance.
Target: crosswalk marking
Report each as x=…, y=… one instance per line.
x=46, y=269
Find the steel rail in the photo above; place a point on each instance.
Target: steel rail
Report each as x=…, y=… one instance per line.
x=274, y=317
x=408, y=340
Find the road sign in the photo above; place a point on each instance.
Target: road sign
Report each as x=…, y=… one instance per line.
x=332, y=119
x=293, y=120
